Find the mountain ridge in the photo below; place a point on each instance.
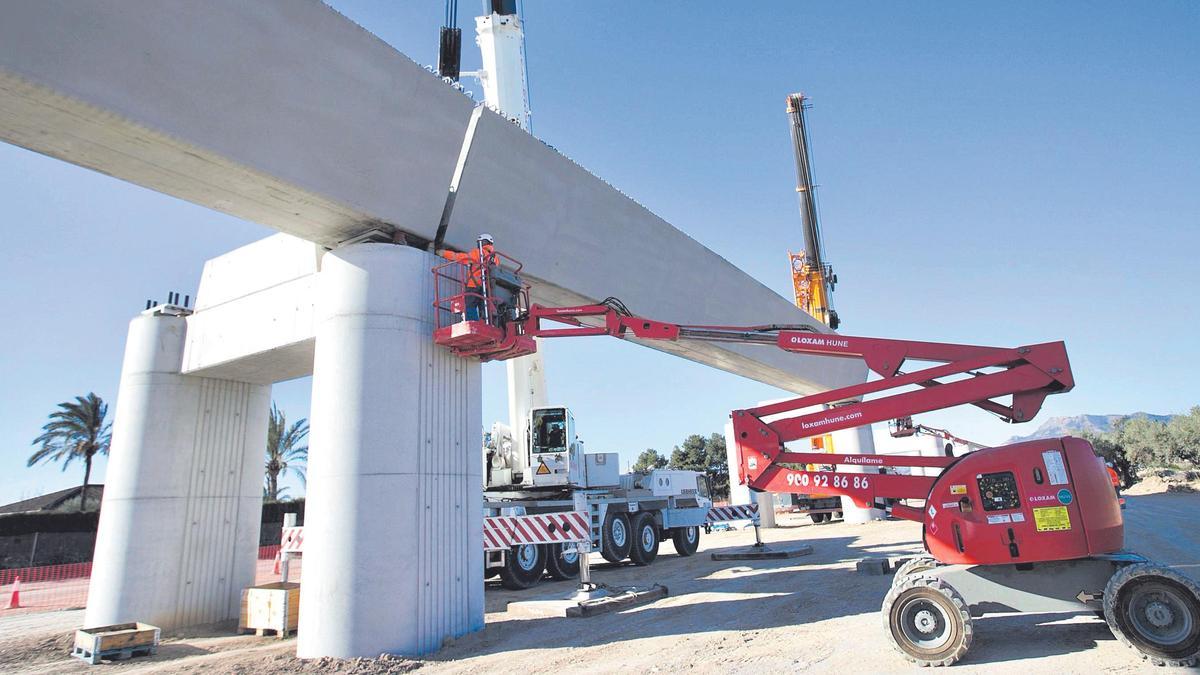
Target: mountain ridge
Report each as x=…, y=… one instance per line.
x=1074, y=425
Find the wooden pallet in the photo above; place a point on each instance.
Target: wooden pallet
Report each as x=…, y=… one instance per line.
x=263, y=632
x=116, y=642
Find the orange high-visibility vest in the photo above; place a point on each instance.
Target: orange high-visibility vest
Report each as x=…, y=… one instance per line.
x=471, y=260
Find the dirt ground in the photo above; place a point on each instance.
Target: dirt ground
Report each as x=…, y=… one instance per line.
x=814, y=613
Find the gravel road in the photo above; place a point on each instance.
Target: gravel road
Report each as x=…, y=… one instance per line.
x=814, y=613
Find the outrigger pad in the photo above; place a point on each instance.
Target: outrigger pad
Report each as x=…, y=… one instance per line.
x=764, y=553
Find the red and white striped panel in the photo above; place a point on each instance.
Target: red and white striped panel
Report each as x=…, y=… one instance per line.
x=501, y=532
x=293, y=540
x=721, y=514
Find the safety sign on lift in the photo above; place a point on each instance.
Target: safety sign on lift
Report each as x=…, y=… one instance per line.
x=1056, y=471
x=1052, y=519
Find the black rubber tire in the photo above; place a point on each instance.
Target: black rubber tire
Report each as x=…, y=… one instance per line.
x=489, y=572
x=818, y=518
x=644, y=538
x=558, y=566
x=921, y=563
x=837, y=515
x=611, y=549
x=687, y=540
x=523, y=566
x=913, y=597
x=1178, y=599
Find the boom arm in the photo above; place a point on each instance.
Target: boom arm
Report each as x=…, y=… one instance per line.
x=961, y=374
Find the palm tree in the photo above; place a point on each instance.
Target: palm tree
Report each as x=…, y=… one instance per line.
x=284, y=452
x=76, y=431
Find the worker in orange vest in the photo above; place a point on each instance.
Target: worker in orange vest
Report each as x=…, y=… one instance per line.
x=1115, y=478
x=477, y=261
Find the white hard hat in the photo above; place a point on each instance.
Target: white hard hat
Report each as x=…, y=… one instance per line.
x=486, y=237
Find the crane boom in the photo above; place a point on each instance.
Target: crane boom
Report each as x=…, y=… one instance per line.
x=812, y=276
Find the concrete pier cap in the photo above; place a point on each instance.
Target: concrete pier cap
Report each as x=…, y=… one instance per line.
x=393, y=560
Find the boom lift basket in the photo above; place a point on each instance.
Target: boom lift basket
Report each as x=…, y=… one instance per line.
x=482, y=320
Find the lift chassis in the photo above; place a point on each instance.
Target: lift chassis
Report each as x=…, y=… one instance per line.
x=1028, y=527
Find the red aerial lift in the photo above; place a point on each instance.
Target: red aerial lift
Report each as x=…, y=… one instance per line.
x=1028, y=527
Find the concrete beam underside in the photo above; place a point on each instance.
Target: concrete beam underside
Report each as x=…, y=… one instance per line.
x=332, y=132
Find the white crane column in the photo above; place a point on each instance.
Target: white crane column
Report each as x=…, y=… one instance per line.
x=394, y=525
x=178, y=535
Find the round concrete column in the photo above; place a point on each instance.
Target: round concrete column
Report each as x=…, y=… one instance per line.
x=179, y=524
x=857, y=441
x=393, y=557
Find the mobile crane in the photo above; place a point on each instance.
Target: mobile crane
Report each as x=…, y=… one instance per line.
x=1028, y=527
x=812, y=278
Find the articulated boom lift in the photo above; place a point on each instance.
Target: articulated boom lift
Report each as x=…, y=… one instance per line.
x=1029, y=527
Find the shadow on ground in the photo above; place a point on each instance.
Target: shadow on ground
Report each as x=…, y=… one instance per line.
x=747, y=596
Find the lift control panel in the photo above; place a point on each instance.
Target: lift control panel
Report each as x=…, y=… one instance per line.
x=998, y=491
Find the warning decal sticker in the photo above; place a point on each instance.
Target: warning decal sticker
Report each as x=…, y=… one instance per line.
x=1055, y=469
x=1052, y=519
x=958, y=489
x=542, y=469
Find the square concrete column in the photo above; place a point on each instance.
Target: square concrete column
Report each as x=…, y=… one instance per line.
x=393, y=545
x=178, y=536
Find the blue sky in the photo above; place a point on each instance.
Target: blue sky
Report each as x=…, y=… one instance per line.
x=994, y=174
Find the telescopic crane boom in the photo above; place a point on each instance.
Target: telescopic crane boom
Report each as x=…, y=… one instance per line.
x=812, y=277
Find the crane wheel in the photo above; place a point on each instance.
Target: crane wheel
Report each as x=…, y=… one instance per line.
x=928, y=621
x=922, y=563
x=687, y=540
x=818, y=518
x=1155, y=610
x=562, y=561
x=615, y=538
x=523, y=566
x=645, y=539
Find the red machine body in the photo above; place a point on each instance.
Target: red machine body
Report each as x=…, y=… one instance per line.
x=1029, y=502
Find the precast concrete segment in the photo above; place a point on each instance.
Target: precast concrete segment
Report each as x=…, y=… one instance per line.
x=583, y=241
x=278, y=111
x=285, y=113
x=179, y=524
x=254, y=313
x=392, y=558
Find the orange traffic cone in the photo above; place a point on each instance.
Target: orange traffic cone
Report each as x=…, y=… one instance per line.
x=15, y=601
x=277, y=557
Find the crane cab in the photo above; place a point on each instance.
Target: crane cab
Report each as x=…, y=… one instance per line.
x=555, y=453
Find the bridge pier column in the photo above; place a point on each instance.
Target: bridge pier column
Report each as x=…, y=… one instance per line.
x=393, y=557
x=179, y=524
